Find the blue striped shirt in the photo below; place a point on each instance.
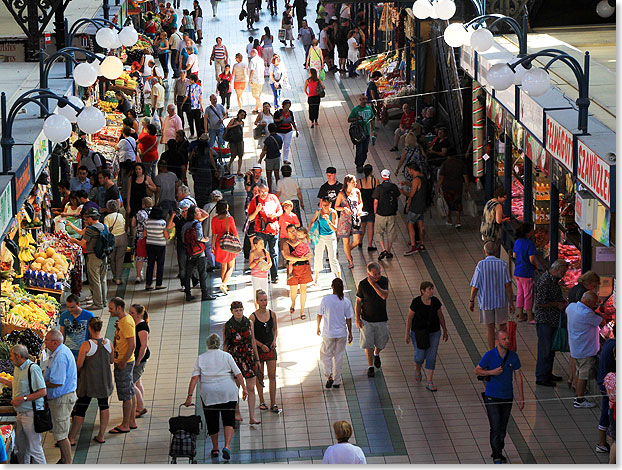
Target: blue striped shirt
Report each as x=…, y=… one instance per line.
x=490, y=277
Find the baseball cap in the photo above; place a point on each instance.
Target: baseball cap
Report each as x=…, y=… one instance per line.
x=92, y=213
x=288, y=202
x=331, y=169
x=257, y=166
x=386, y=174
x=184, y=204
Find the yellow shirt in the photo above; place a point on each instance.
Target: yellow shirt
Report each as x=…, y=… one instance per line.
x=115, y=223
x=123, y=330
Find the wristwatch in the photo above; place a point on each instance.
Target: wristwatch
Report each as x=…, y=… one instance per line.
x=25, y=397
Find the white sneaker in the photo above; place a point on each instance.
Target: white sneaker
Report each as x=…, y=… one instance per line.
x=583, y=403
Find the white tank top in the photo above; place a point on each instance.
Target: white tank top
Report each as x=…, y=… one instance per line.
x=93, y=347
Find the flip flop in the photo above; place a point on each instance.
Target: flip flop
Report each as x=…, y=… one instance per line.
x=133, y=427
x=141, y=412
x=303, y=316
x=263, y=406
x=97, y=440
x=117, y=430
x=292, y=310
x=214, y=453
x=430, y=386
x=418, y=375
x=275, y=409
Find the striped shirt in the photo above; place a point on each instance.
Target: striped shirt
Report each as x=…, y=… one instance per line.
x=490, y=277
x=219, y=52
x=154, y=229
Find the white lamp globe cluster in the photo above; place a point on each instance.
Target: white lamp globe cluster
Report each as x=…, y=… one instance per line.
x=480, y=38
x=57, y=127
x=109, y=39
x=435, y=9
x=535, y=81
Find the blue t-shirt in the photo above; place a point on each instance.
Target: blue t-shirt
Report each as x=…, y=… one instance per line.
x=500, y=386
x=606, y=355
x=76, y=329
x=523, y=249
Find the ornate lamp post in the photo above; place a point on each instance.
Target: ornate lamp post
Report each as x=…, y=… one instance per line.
x=57, y=127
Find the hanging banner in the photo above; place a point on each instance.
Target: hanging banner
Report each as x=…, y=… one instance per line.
x=600, y=233
x=559, y=143
x=594, y=172
x=6, y=206
x=41, y=152
x=23, y=180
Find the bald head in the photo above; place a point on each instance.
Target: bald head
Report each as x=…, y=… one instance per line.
x=590, y=299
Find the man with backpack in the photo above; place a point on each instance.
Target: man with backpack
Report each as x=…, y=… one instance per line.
x=385, y=197
x=97, y=243
x=194, y=243
x=93, y=161
x=361, y=131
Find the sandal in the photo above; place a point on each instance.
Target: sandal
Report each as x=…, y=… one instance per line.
x=303, y=316
x=275, y=409
x=263, y=406
x=141, y=412
x=418, y=375
x=292, y=310
x=214, y=453
x=430, y=386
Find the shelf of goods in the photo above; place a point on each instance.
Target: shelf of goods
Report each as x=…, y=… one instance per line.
x=57, y=266
x=572, y=256
x=21, y=311
x=517, y=200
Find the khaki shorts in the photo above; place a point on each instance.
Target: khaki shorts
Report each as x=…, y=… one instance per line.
x=60, y=409
x=384, y=227
x=256, y=89
x=497, y=316
x=586, y=367
x=374, y=334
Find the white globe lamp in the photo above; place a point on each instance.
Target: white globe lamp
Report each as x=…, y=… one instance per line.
x=116, y=42
x=482, y=40
x=85, y=74
x=68, y=111
x=445, y=9
x=455, y=35
x=500, y=76
x=604, y=10
x=91, y=120
x=536, y=82
x=57, y=128
x=128, y=36
x=105, y=38
x=112, y=67
x=422, y=9
x=519, y=71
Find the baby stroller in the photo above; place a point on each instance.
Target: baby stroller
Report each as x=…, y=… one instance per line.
x=184, y=431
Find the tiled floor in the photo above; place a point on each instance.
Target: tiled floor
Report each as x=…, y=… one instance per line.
x=396, y=420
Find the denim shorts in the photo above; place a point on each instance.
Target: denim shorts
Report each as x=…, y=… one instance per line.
x=413, y=218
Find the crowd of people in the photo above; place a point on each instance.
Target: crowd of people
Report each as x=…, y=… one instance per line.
x=148, y=201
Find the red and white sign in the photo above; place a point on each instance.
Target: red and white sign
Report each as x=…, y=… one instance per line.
x=48, y=38
x=559, y=143
x=594, y=173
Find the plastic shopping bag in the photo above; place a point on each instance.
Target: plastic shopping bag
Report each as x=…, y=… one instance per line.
x=470, y=209
x=441, y=206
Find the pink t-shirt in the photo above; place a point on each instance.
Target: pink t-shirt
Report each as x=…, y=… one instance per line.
x=284, y=221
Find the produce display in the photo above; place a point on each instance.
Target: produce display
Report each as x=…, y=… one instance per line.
x=26, y=338
x=518, y=205
x=6, y=365
x=20, y=309
x=26, y=247
x=51, y=262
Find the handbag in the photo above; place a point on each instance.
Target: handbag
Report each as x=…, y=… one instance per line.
x=441, y=206
x=282, y=34
x=560, y=338
x=470, y=209
x=512, y=335
x=322, y=74
x=229, y=242
x=42, y=419
x=320, y=91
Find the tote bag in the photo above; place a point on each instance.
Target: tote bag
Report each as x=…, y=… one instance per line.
x=229, y=242
x=560, y=338
x=470, y=209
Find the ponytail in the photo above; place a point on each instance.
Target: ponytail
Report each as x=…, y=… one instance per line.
x=142, y=311
x=337, y=286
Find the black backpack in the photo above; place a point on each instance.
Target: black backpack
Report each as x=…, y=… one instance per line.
x=223, y=86
x=357, y=132
x=105, y=243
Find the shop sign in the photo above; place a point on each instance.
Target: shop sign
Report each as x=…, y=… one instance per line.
x=40, y=151
x=6, y=208
x=532, y=147
x=584, y=211
x=594, y=173
x=467, y=60
x=602, y=224
x=22, y=179
x=531, y=115
x=605, y=255
x=559, y=143
x=518, y=135
x=507, y=98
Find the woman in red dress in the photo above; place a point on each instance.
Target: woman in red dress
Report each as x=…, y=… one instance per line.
x=221, y=224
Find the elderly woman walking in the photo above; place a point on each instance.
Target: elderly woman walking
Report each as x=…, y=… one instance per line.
x=220, y=378
x=116, y=225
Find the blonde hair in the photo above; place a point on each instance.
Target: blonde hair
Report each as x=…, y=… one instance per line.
x=343, y=430
x=588, y=278
x=259, y=292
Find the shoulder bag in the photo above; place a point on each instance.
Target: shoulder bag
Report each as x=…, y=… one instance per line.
x=229, y=242
x=560, y=338
x=42, y=419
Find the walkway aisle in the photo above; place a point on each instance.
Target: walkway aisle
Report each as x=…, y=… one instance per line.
x=396, y=420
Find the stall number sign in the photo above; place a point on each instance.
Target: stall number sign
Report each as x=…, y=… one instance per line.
x=559, y=143
x=594, y=173
x=40, y=150
x=6, y=208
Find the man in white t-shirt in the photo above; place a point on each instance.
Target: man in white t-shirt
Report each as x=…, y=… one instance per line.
x=336, y=310
x=157, y=96
x=287, y=189
x=174, y=41
x=256, y=79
